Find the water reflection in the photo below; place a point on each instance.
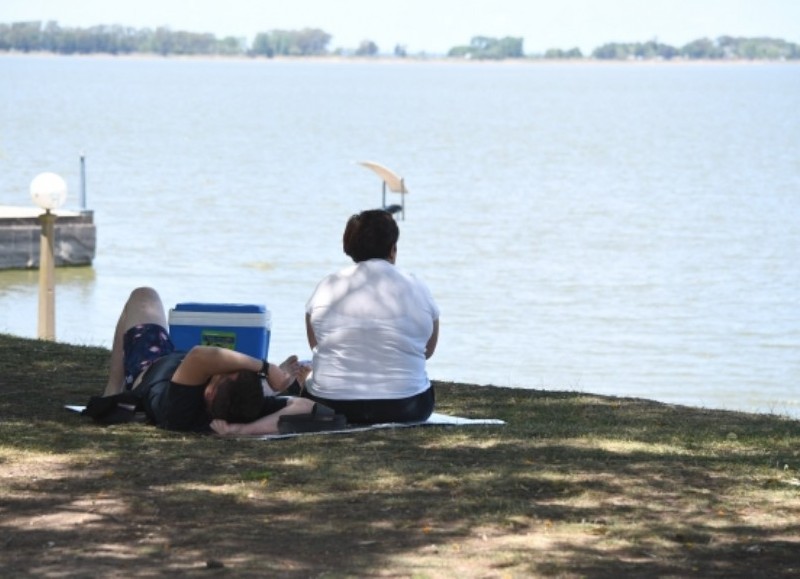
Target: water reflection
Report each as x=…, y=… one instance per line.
x=25, y=280
x=75, y=289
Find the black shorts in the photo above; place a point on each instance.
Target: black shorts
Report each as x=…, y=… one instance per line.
x=413, y=409
x=142, y=345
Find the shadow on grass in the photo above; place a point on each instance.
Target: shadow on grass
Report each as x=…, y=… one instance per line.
x=573, y=485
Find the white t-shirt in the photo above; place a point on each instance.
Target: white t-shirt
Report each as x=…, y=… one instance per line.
x=372, y=323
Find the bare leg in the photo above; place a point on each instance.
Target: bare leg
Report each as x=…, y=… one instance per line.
x=143, y=307
x=266, y=424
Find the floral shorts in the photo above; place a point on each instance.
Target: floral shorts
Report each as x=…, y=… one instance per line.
x=142, y=345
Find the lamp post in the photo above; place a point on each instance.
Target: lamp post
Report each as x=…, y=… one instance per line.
x=48, y=191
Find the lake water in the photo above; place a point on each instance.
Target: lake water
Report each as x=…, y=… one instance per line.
x=625, y=229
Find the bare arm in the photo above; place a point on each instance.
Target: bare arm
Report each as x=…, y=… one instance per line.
x=312, y=339
x=430, y=347
x=202, y=362
x=266, y=424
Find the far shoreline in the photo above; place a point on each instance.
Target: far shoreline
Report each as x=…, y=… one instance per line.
x=394, y=60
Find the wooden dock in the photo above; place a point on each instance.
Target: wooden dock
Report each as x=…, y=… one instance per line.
x=20, y=233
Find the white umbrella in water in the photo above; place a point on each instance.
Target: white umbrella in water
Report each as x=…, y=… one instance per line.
x=394, y=182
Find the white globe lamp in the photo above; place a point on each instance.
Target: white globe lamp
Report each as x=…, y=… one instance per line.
x=48, y=191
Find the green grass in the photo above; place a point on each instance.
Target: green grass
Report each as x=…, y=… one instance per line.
x=573, y=485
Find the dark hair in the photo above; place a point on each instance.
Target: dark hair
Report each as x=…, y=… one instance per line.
x=370, y=234
x=238, y=399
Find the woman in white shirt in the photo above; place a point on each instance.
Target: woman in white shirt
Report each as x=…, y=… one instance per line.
x=371, y=327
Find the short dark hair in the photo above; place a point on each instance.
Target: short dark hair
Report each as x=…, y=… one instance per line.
x=238, y=399
x=370, y=234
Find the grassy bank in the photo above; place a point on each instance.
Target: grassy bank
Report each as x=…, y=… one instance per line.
x=574, y=485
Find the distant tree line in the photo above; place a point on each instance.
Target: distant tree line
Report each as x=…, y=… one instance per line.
x=725, y=47
x=114, y=39
x=484, y=47
x=306, y=42
x=50, y=37
x=36, y=36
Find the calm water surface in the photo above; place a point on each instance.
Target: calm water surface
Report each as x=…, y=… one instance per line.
x=618, y=229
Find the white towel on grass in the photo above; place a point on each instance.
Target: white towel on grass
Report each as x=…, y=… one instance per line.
x=435, y=419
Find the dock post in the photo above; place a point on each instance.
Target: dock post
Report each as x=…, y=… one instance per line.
x=83, y=182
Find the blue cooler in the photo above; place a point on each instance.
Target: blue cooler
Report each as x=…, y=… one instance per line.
x=241, y=327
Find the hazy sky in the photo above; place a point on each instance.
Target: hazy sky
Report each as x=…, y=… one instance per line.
x=435, y=26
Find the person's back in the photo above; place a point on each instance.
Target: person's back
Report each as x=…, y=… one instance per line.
x=372, y=323
x=371, y=328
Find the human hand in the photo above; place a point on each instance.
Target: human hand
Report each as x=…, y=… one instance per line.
x=223, y=427
x=304, y=371
x=281, y=377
